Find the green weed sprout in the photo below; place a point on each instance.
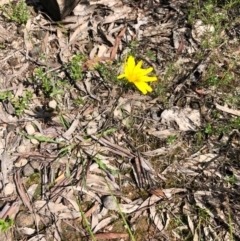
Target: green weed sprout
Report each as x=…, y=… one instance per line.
x=76, y=67
x=20, y=104
x=5, y=225
x=18, y=12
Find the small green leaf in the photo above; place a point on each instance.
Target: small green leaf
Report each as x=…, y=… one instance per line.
x=44, y=139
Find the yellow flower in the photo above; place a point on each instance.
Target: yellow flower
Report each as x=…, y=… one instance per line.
x=136, y=75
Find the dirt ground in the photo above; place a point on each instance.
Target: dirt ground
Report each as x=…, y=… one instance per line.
x=86, y=155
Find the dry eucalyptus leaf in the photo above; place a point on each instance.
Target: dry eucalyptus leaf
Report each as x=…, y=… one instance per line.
x=104, y=223
x=26, y=231
x=225, y=108
x=190, y=223
x=6, y=166
x=95, y=219
x=39, y=237
x=27, y=40
x=60, y=210
x=163, y=134
x=187, y=119
x=156, y=219
x=157, y=152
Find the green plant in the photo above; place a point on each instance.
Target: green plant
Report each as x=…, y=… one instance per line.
x=107, y=72
x=16, y=12
x=47, y=83
x=20, y=104
x=199, y=136
x=63, y=28
x=35, y=178
x=231, y=179
x=151, y=55
x=104, y=167
x=133, y=47
x=6, y=95
x=233, y=100
x=216, y=77
x=236, y=123
x=75, y=67
x=5, y=225
x=171, y=139
x=42, y=57
x=42, y=79
x=208, y=12
x=79, y=101
x=203, y=213
x=44, y=139
x=64, y=122
x=163, y=83
x=209, y=129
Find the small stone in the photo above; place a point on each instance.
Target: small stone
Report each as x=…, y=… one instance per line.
x=13, y=62
x=21, y=149
x=24, y=219
x=35, y=52
x=34, y=141
x=29, y=129
x=21, y=162
x=9, y=189
x=52, y=104
x=11, y=127
x=109, y=203
x=92, y=128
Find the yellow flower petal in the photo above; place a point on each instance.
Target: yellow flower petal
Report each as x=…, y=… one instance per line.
x=146, y=71
x=129, y=66
x=138, y=66
x=131, y=62
x=143, y=87
x=147, y=78
x=121, y=76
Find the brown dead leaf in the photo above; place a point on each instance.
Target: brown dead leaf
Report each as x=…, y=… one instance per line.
x=59, y=210
x=199, y=91
x=180, y=47
x=117, y=42
x=21, y=190
x=100, y=236
x=90, y=63
x=158, y=192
